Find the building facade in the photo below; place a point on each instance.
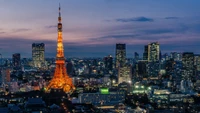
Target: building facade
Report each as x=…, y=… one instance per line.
x=120, y=55
x=153, y=59
x=38, y=50
x=16, y=60
x=125, y=74
x=153, y=52
x=187, y=65
x=5, y=75
x=108, y=61
x=145, y=54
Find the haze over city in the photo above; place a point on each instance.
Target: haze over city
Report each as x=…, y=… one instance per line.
x=92, y=28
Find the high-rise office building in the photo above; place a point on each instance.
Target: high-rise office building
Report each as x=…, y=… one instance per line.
x=145, y=54
x=5, y=75
x=38, y=50
x=142, y=68
x=153, y=59
x=16, y=60
x=197, y=62
x=125, y=74
x=170, y=67
x=197, y=65
x=153, y=69
x=108, y=61
x=120, y=55
x=188, y=65
x=153, y=52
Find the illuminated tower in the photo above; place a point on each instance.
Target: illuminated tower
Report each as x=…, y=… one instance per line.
x=60, y=80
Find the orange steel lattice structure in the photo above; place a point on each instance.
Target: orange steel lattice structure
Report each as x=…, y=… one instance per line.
x=60, y=80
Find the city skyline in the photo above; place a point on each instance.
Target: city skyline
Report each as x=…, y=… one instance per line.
x=91, y=27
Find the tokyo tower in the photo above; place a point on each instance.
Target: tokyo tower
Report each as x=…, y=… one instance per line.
x=60, y=80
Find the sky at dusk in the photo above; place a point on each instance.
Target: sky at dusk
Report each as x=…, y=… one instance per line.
x=91, y=28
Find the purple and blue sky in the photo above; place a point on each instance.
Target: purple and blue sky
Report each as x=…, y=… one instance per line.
x=91, y=28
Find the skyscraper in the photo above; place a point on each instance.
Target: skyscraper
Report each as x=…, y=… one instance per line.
x=120, y=55
x=153, y=52
x=145, y=54
x=153, y=59
x=60, y=80
x=142, y=68
x=5, y=75
x=16, y=60
x=197, y=62
x=38, y=50
x=197, y=65
x=188, y=65
x=108, y=61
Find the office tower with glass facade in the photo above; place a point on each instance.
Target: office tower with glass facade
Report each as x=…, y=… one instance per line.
x=188, y=66
x=120, y=55
x=153, y=59
x=153, y=52
x=16, y=60
x=108, y=61
x=38, y=58
x=145, y=54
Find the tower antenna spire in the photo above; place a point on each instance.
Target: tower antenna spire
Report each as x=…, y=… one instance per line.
x=59, y=6
x=59, y=18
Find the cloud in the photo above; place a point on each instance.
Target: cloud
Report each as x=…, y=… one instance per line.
x=20, y=30
x=137, y=19
x=2, y=32
x=117, y=37
x=140, y=38
x=72, y=49
x=171, y=17
x=51, y=26
x=158, y=31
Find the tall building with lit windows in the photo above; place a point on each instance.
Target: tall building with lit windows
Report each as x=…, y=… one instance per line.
x=120, y=55
x=187, y=65
x=197, y=62
x=125, y=74
x=145, y=54
x=197, y=65
x=108, y=61
x=153, y=52
x=38, y=50
x=16, y=60
x=153, y=59
x=5, y=75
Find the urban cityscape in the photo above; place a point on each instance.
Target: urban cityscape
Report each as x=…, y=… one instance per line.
x=153, y=80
